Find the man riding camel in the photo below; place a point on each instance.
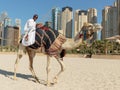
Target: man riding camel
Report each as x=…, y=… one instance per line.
x=29, y=28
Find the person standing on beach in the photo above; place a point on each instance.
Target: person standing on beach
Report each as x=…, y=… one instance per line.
x=29, y=28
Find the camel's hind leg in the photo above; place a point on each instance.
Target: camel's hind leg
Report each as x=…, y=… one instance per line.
x=31, y=55
x=60, y=61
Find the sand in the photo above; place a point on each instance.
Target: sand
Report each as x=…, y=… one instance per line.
x=80, y=73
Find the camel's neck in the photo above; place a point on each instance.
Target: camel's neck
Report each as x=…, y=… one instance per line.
x=71, y=44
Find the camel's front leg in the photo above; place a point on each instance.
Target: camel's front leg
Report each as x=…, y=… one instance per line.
x=60, y=61
x=31, y=55
x=19, y=56
x=48, y=70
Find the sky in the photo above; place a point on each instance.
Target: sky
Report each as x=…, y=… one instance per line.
x=25, y=9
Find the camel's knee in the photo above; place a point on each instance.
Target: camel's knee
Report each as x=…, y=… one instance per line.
x=30, y=67
x=20, y=56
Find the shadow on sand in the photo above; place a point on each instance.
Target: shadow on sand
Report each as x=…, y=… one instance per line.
x=10, y=75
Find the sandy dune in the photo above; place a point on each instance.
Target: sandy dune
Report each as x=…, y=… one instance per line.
x=80, y=74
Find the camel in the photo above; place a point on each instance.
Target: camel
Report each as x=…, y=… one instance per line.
x=63, y=45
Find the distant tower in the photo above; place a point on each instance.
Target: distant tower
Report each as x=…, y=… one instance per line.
x=76, y=22
x=17, y=22
x=4, y=20
x=3, y=16
x=12, y=36
x=82, y=18
x=109, y=23
x=7, y=22
x=56, y=19
x=118, y=14
x=92, y=15
x=1, y=30
x=67, y=18
x=92, y=18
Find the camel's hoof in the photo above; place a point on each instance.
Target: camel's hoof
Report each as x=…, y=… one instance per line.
x=15, y=78
x=55, y=80
x=37, y=80
x=49, y=84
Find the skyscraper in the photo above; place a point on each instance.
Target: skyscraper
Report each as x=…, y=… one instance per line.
x=92, y=18
x=109, y=22
x=56, y=18
x=92, y=15
x=80, y=17
x=76, y=22
x=18, y=22
x=118, y=15
x=1, y=30
x=67, y=18
x=3, y=16
x=12, y=35
x=7, y=22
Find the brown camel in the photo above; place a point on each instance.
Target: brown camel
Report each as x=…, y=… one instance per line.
x=58, y=55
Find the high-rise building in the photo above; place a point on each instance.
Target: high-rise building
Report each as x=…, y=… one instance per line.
x=92, y=18
x=92, y=15
x=76, y=22
x=82, y=18
x=67, y=18
x=18, y=22
x=56, y=18
x=1, y=30
x=12, y=34
x=7, y=22
x=118, y=14
x=3, y=16
x=109, y=18
x=9, y=34
x=4, y=21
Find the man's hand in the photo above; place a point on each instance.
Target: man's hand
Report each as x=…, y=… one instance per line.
x=26, y=37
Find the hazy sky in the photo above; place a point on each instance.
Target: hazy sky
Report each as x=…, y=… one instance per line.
x=24, y=9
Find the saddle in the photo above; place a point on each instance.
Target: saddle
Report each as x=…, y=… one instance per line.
x=50, y=39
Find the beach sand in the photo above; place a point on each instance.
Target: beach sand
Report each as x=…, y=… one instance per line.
x=80, y=73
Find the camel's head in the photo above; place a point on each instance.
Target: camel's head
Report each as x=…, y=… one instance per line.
x=87, y=31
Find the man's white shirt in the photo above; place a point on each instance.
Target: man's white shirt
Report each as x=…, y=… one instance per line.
x=29, y=29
